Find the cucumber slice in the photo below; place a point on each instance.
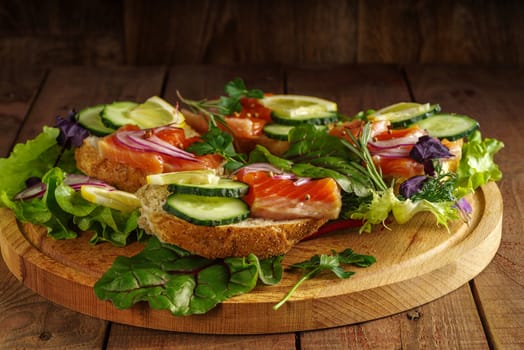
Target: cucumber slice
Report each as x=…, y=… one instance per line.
x=277, y=131
x=90, y=119
x=403, y=114
x=206, y=211
x=318, y=118
x=280, y=132
x=448, y=126
x=297, y=105
x=114, y=115
x=224, y=188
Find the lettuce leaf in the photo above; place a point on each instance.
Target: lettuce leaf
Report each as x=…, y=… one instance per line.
x=477, y=166
x=385, y=202
x=33, y=159
x=64, y=212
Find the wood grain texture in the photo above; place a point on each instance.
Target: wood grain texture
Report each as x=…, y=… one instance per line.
x=433, y=326
x=232, y=31
x=147, y=32
x=48, y=33
x=493, y=97
x=127, y=337
x=440, y=32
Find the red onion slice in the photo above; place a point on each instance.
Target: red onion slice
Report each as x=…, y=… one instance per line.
x=135, y=141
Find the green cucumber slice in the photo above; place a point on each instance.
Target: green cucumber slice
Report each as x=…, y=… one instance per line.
x=280, y=132
x=448, y=126
x=90, y=119
x=404, y=114
x=318, y=118
x=224, y=188
x=114, y=115
x=206, y=211
x=277, y=131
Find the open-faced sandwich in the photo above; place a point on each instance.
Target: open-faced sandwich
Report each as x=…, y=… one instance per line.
x=247, y=174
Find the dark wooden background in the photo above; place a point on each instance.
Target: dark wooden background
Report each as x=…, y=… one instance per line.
x=152, y=32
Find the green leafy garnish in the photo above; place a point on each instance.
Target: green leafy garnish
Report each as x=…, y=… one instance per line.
x=64, y=212
x=477, y=166
x=33, y=159
x=225, y=105
x=217, y=141
x=327, y=262
x=170, y=278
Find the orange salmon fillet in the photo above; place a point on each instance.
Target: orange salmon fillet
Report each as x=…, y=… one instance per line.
x=282, y=199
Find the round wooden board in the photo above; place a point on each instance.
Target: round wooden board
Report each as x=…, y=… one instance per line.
x=416, y=263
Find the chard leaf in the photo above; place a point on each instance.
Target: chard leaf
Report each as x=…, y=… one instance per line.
x=170, y=278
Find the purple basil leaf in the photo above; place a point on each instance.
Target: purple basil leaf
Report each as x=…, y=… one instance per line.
x=71, y=133
x=412, y=185
x=429, y=148
x=465, y=209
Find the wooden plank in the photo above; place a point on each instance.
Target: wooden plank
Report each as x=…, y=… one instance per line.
x=28, y=320
x=37, y=33
x=440, y=32
x=208, y=81
x=240, y=31
x=424, y=327
x=18, y=85
x=125, y=337
x=493, y=96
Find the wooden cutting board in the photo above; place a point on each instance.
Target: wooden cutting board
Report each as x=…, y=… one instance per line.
x=416, y=263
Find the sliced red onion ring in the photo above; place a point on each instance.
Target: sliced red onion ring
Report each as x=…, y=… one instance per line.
x=35, y=191
x=264, y=167
x=75, y=181
x=136, y=141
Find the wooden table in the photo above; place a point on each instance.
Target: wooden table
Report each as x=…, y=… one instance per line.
x=486, y=313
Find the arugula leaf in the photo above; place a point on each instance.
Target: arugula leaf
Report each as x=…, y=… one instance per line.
x=168, y=277
x=318, y=263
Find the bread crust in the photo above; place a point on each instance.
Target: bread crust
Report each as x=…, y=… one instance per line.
x=264, y=238
x=90, y=162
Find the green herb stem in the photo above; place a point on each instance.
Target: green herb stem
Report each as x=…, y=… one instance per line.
x=295, y=287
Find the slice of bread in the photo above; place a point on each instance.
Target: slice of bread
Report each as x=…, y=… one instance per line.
x=264, y=238
x=90, y=161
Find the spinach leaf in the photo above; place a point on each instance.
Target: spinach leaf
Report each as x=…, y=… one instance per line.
x=170, y=278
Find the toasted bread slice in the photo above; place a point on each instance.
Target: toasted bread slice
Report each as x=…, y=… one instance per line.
x=90, y=161
x=264, y=238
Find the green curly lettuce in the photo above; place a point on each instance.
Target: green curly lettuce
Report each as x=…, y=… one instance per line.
x=477, y=166
x=383, y=203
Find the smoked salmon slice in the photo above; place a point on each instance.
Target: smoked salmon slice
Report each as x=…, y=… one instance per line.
x=272, y=197
x=153, y=162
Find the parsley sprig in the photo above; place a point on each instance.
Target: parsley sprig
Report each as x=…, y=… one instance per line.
x=327, y=262
x=217, y=109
